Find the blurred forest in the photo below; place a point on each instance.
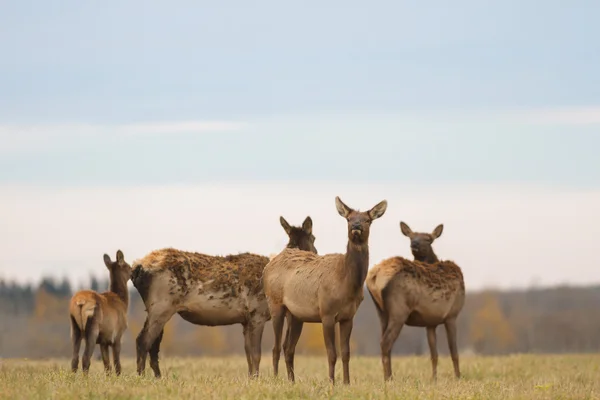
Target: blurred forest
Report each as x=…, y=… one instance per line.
x=34, y=323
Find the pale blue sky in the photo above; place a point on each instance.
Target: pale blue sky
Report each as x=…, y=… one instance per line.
x=317, y=86
x=474, y=105
x=118, y=61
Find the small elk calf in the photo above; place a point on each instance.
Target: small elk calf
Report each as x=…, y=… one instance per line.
x=425, y=292
x=101, y=318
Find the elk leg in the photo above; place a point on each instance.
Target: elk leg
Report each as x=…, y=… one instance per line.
x=382, y=314
x=345, y=332
x=154, y=349
x=157, y=317
x=91, y=336
x=432, y=341
x=116, y=349
x=329, y=336
x=294, y=331
x=387, y=343
x=256, y=344
x=451, y=333
x=286, y=339
x=105, y=357
x=277, y=316
x=140, y=348
x=248, y=347
x=76, y=337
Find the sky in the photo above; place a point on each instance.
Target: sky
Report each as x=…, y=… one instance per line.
x=142, y=125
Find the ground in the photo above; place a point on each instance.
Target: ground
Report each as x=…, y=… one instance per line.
x=510, y=377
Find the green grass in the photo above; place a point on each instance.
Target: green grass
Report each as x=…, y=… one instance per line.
x=511, y=377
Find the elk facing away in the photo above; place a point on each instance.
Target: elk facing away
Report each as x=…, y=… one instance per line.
x=206, y=290
x=300, y=237
x=326, y=289
x=303, y=239
x=101, y=318
x=425, y=292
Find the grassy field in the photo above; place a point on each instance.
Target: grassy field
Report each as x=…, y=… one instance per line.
x=512, y=377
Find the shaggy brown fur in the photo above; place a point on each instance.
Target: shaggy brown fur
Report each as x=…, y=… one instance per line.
x=437, y=280
x=204, y=290
x=101, y=318
x=214, y=273
x=417, y=293
x=326, y=289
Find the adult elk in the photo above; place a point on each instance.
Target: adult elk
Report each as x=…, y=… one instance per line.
x=425, y=292
x=326, y=289
x=206, y=290
x=101, y=318
x=303, y=239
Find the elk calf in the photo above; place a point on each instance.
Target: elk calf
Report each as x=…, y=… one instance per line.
x=326, y=289
x=425, y=292
x=101, y=318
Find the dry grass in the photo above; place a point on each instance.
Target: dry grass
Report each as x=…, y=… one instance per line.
x=512, y=377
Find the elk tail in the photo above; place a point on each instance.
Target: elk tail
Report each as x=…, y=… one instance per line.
x=86, y=310
x=374, y=290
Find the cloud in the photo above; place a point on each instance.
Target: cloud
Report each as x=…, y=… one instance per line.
x=42, y=137
x=179, y=127
x=31, y=137
x=585, y=115
x=501, y=235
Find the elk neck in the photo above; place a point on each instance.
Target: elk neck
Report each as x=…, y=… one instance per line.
x=118, y=287
x=357, y=264
x=429, y=258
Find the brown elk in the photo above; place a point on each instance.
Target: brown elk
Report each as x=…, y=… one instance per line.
x=425, y=292
x=303, y=239
x=326, y=289
x=101, y=318
x=206, y=290
x=300, y=237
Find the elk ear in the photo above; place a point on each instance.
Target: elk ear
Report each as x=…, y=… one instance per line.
x=307, y=225
x=120, y=257
x=343, y=209
x=378, y=210
x=437, y=232
x=406, y=231
x=107, y=261
x=286, y=227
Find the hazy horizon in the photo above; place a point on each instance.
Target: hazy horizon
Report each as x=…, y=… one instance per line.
x=501, y=235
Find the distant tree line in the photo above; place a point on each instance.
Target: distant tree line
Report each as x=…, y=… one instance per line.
x=550, y=320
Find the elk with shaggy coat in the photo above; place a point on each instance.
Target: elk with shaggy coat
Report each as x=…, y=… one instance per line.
x=101, y=318
x=326, y=289
x=206, y=290
x=425, y=292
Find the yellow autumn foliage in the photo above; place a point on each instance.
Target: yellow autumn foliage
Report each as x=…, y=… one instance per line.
x=490, y=330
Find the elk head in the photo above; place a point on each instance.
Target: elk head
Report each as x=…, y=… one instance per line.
x=420, y=243
x=359, y=222
x=119, y=270
x=300, y=238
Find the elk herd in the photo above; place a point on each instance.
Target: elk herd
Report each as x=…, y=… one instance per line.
x=296, y=286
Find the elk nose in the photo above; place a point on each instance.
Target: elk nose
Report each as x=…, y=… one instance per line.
x=356, y=227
